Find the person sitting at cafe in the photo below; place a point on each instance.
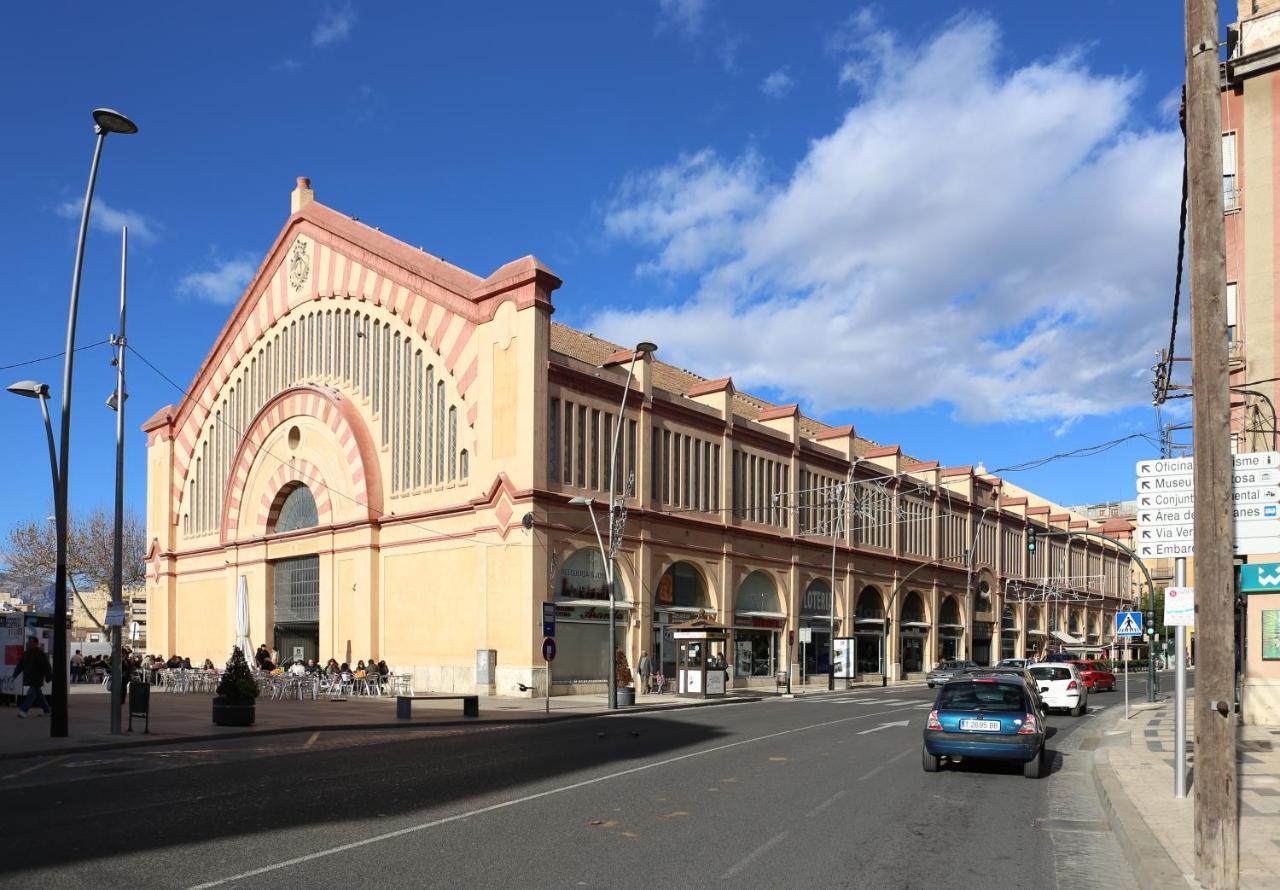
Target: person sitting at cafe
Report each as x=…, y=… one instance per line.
x=312, y=666
x=360, y=668
x=173, y=663
x=186, y=664
x=331, y=667
x=297, y=669
x=383, y=669
x=208, y=665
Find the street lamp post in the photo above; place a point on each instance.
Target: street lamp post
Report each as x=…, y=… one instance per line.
x=970, y=609
x=116, y=403
x=105, y=121
x=33, y=389
x=617, y=519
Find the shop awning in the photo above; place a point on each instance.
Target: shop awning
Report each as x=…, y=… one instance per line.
x=1064, y=637
x=595, y=604
x=747, y=614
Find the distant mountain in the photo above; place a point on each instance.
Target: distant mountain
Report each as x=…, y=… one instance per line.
x=40, y=596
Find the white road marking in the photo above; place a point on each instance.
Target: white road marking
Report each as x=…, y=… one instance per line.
x=826, y=803
x=894, y=759
x=40, y=765
x=311, y=741
x=506, y=804
x=754, y=855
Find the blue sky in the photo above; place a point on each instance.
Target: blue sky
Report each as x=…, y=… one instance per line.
x=950, y=225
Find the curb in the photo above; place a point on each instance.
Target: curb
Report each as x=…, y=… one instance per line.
x=1152, y=865
x=152, y=742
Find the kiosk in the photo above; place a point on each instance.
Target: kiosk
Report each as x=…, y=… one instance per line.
x=701, y=658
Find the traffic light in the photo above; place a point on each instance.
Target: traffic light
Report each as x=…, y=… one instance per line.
x=1031, y=539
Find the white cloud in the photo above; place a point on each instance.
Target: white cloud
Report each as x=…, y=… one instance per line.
x=223, y=284
x=105, y=218
x=777, y=84
x=334, y=26
x=686, y=16
x=994, y=240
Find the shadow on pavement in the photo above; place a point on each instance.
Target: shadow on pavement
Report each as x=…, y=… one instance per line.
x=108, y=817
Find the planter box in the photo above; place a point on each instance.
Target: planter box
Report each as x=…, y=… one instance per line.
x=626, y=696
x=231, y=712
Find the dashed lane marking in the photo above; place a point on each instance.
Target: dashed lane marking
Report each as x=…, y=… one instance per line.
x=36, y=766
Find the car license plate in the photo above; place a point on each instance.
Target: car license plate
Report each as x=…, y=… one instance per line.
x=981, y=725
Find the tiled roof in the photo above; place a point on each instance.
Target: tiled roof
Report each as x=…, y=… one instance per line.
x=594, y=351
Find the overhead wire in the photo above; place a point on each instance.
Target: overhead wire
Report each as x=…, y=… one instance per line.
x=52, y=355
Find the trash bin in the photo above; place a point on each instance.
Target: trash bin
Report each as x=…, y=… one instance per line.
x=626, y=696
x=140, y=704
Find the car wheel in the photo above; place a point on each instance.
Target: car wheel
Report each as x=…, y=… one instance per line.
x=930, y=685
x=929, y=761
x=1035, y=766
x=1078, y=710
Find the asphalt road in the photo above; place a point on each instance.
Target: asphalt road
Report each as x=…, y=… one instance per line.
x=822, y=791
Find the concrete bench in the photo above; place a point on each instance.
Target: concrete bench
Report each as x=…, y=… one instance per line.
x=404, y=704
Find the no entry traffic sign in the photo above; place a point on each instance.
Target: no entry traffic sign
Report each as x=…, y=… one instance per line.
x=549, y=649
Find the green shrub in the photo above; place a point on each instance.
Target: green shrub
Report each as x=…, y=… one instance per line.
x=237, y=681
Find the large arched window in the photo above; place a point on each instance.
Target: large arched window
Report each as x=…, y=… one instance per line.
x=1009, y=619
x=869, y=605
x=583, y=576
x=913, y=609
x=950, y=613
x=758, y=594
x=682, y=586
x=295, y=508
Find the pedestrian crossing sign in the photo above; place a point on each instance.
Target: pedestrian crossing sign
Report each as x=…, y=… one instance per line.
x=1128, y=624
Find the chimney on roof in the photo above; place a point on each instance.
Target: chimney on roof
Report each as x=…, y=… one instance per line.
x=302, y=195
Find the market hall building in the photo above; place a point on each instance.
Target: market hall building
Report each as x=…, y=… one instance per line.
x=377, y=457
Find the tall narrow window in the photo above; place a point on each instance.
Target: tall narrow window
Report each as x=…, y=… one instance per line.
x=715, y=479
x=417, y=419
x=1230, y=192
x=430, y=397
x=666, y=466
x=406, y=413
x=553, y=441
x=595, y=448
x=629, y=482
x=568, y=443
x=453, y=443
x=394, y=414
x=606, y=441
x=655, y=465
x=688, y=465
x=464, y=470
x=440, y=406
x=1232, y=294
x=676, y=451
x=386, y=379
x=582, y=446
x=377, y=370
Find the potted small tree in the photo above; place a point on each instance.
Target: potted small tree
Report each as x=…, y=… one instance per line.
x=626, y=692
x=234, y=705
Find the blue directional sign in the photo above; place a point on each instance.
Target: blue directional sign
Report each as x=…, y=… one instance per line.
x=1128, y=624
x=549, y=620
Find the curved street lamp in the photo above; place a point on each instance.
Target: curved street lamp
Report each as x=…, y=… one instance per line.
x=617, y=519
x=106, y=121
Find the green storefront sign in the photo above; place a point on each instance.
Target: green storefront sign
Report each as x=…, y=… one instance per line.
x=1271, y=634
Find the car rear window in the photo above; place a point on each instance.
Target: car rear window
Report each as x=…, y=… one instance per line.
x=979, y=696
x=1051, y=673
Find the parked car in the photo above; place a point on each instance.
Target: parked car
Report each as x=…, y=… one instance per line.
x=945, y=670
x=1056, y=657
x=986, y=718
x=1096, y=676
x=1061, y=686
x=1014, y=662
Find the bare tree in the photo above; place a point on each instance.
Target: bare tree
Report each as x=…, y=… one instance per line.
x=30, y=551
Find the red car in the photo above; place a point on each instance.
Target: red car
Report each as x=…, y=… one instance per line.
x=1096, y=676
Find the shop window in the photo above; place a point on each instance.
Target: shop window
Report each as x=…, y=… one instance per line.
x=682, y=586
x=758, y=593
x=295, y=509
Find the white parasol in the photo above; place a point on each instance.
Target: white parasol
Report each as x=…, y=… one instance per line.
x=242, y=617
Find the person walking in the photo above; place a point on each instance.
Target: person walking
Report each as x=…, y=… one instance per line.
x=645, y=667
x=36, y=671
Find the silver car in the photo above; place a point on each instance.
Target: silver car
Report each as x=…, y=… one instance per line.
x=945, y=670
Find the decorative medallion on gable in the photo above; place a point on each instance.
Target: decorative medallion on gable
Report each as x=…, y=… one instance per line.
x=299, y=264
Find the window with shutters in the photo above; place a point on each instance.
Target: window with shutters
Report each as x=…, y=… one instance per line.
x=1230, y=186
x=1232, y=295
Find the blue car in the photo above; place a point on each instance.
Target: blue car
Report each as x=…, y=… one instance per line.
x=986, y=718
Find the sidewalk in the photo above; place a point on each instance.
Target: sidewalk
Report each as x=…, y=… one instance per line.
x=1133, y=769
x=187, y=718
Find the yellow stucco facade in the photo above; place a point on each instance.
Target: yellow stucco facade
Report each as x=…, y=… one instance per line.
x=362, y=447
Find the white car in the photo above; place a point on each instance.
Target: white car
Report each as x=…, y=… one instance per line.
x=1061, y=686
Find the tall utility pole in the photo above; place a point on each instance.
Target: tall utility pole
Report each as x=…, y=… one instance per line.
x=1217, y=827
